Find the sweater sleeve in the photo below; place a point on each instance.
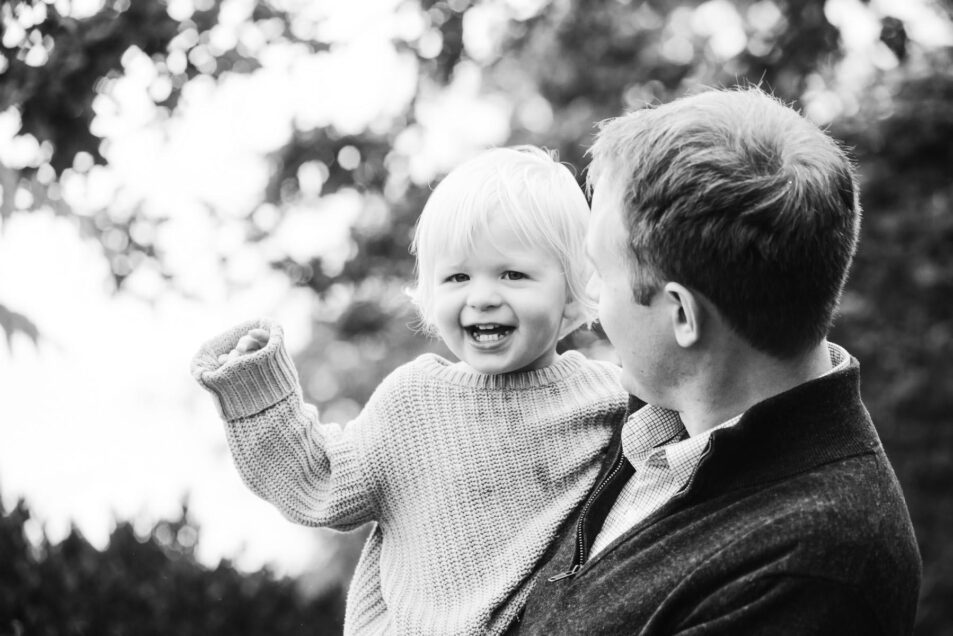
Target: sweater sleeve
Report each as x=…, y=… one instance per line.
x=312, y=472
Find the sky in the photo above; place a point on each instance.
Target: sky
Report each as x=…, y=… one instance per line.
x=101, y=420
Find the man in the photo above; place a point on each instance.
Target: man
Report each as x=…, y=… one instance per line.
x=748, y=492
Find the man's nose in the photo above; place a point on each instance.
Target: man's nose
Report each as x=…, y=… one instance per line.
x=483, y=294
x=592, y=288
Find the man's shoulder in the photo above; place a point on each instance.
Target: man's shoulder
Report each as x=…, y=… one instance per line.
x=844, y=523
x=843, y=526
x=853, y=500
x=843, y=512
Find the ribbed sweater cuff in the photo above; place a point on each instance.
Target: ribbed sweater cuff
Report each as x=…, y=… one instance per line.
x=250, y=383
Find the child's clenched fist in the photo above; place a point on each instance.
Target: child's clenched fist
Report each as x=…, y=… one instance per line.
x=251, y=341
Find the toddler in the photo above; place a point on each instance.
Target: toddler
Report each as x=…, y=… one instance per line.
x=468, y=468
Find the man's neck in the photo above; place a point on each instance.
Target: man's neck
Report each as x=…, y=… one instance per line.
x=735, y=383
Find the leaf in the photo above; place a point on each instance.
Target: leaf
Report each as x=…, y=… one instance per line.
x=894, y=35
x=12, y=322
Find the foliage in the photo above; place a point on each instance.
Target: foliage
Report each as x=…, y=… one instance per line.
x=559, y=66
x=12, y=322
x=896, y=316
x=143, y=585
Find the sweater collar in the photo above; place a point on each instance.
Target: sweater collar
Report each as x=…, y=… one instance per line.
x=564, y=366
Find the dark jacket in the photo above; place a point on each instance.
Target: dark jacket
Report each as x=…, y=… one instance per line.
x=794, y=523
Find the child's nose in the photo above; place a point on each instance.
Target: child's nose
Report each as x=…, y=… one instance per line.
x=483, y=295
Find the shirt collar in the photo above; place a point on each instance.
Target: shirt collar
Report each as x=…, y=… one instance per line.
x=840, y=359
x=656, y=437
x=650, y=428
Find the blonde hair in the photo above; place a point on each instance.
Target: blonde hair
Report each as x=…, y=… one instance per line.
x=530, y=192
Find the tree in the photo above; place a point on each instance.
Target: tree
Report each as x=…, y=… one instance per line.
x=144, y=584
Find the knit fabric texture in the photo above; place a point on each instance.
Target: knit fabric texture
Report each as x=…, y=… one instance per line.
x=468, y=477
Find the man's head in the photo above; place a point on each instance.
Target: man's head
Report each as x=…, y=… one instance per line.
x=739, y=199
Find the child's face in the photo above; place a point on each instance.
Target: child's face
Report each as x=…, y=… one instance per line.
x=502, y=306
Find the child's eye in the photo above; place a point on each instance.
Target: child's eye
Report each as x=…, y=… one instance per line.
x=456, y=278
x=511, y=275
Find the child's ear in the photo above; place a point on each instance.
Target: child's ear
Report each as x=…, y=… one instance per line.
x=573, y=318
x=687, y=313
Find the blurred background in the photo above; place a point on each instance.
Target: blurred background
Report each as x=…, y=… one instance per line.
x=171, y=168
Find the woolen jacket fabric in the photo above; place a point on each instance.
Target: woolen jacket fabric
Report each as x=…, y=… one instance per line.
x=793, y=523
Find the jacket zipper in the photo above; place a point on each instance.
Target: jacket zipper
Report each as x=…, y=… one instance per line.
x=579, y=557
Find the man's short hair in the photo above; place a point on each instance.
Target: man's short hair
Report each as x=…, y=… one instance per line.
x=738, y=197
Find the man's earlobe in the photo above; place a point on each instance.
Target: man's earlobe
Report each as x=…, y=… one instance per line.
x=687, y=314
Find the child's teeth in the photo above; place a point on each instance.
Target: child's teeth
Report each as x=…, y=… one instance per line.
x=489, y=332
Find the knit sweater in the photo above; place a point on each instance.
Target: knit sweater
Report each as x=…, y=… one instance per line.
x=469, y=477
x=793, y=523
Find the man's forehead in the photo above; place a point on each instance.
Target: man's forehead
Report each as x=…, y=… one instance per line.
x=607, y=187
x=606, y=200
x=605, y=231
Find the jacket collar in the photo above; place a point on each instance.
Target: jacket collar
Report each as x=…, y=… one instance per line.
x=814, y=423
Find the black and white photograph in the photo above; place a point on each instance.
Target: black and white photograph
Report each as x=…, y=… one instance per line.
x=476, y=317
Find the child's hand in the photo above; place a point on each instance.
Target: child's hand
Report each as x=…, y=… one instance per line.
x=251, y=341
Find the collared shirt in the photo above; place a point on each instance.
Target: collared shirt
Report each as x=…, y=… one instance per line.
x=665, y=457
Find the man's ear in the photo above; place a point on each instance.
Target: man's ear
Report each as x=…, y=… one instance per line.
x=687, y=313
x=573, y=318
